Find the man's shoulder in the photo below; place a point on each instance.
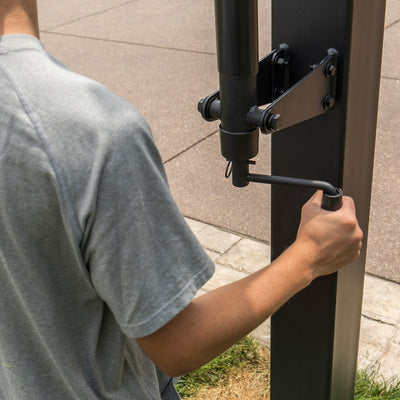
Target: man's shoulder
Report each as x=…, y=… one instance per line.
x=65, y=102
x=77, y=112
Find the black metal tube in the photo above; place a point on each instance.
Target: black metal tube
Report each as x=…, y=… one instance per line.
x=237, y=53
x=237, y=37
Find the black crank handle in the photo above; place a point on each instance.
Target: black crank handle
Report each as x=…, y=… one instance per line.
x=332, y=198
x=332, y=202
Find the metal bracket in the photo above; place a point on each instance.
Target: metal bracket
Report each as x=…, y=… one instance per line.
x=273, y=75
x=311, y=96
x=272, y=82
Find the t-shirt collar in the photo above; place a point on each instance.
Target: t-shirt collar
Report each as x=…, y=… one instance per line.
x=16, y=42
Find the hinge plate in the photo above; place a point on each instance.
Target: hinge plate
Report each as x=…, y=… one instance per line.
x=313, y=95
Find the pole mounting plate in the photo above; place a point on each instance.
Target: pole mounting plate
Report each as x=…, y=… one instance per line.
x=313, y=95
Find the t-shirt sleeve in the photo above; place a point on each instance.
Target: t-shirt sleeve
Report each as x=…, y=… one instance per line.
x=143, y=259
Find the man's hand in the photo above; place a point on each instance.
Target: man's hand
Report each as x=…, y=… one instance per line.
x=328, y=240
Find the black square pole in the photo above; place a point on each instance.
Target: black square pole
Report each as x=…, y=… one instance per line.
x=314, y=337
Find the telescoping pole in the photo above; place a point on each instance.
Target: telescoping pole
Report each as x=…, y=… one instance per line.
x=237, y=52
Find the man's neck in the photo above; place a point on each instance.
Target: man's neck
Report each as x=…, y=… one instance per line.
x=18, y=18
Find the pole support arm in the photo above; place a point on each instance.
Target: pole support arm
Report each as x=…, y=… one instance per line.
x=312, y=96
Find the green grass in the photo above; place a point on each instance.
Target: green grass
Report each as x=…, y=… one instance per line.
x=215, y=372
x=369, y=386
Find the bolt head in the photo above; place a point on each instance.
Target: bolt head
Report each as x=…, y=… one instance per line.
x=200, y=105
x=330, y=70
x=328, y=102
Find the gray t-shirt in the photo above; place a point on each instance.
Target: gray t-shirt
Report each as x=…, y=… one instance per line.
x=93, y=250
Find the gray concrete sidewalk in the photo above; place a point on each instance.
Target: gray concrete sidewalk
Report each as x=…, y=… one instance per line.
x=237, y=256
x=160, y=56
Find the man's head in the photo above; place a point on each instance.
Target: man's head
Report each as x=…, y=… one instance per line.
x=18, y=16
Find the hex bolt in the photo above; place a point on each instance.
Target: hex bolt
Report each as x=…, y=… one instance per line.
x=281, y=61
x=273, y=122
x=278, y=92
x=328, y=102
x=209, y=108
x=330, y=70
x=200, y=105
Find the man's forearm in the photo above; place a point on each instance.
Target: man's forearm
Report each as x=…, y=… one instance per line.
x=326, y=242
x=215, y=321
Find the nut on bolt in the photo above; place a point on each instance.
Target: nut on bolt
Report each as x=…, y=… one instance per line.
x=273, y=122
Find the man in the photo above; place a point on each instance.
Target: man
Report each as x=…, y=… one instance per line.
x=98, y=269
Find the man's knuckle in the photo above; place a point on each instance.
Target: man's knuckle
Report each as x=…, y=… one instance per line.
x=349, y=223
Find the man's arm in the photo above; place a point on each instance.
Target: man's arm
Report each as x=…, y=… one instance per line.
x=326, y=241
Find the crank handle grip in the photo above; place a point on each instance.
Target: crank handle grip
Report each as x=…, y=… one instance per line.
x=332, y=202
